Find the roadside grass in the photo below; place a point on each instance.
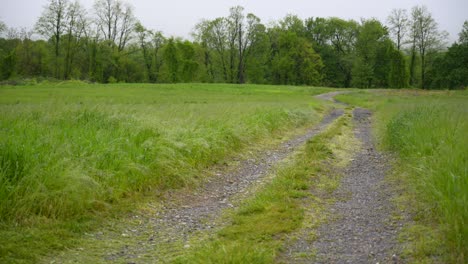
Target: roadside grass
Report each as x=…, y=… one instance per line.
x=72, y=154
x=258, y=229
x=428, y=130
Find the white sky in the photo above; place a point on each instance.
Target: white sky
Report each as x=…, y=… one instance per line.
x=178, y=17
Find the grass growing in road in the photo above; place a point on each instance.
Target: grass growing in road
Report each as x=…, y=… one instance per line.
x=72, y=151
x=257, y=230
x=429, y=132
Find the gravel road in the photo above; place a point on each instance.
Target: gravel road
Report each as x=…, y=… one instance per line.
x=364, y=231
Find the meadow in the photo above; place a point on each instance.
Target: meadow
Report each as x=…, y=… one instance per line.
x=428, y=132
x=74, y=154
x=71, y=151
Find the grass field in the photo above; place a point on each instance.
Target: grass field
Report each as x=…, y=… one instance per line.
x=71, y=151
x=74, y=154
x=429, y=132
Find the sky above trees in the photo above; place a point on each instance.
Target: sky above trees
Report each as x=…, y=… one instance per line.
x=178, y=17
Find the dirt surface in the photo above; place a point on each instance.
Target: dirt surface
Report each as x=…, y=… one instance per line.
x=331, y=96
x=150, y=238
x=364, y=231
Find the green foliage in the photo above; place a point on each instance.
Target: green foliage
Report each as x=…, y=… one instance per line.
x=398, y=75
x=463, y=35
x=373, y=54
x=295, y=61
x=188, y=66
x=171, y=62
x=450, y=70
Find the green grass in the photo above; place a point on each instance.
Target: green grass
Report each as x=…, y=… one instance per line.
x=429, y=132
x=259, y=227
x=71, y=152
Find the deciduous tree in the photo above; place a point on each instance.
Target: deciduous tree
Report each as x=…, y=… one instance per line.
x=398, y=24
x=427, y=37
x=115, y=21
x=52, y=25
x=75, y=25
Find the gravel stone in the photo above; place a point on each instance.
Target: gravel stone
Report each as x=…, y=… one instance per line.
x=364, y=231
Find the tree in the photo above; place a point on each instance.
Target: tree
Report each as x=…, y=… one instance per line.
x=294, y=24
x=294, y=60
x=188, y=64
x=157, y=41
x=398, y=25
x=214, y=36
x=115, y=21
x=231, y=38
x=248, y=35
x=75, y=25
x=371, y=52
x=234, y=22
x=426, y=36
x=202, y=35
x=171, y=60
x=450, y=69
x=257, y=57
x=145, y=46
x=30, y=55
x=3, y=27
x=463, y=35
x=316, y=30
x=342, y=36
x=51, y=24
x=397, y=76
x=242, y=32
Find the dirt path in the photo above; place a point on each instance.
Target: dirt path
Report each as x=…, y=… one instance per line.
x=157, y=234
x=331, y=96
x=364, y=231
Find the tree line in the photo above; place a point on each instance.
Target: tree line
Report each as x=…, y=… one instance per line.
x=109, y=44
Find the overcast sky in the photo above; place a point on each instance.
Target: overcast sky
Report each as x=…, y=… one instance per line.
x=178, y=17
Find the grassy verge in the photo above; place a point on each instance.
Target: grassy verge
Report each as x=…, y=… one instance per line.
x=72, y=154
x=428, y=131
x=259, y=227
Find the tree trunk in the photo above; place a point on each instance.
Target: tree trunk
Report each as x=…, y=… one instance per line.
x=57, y=53
x=423, y=69
x=412, y=66
x=240, y=70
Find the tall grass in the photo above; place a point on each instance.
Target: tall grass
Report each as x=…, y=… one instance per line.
x=433, y=140
x=70, y=149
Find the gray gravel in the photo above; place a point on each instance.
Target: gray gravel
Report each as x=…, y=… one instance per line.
x=364, y=231
x=331, y=96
